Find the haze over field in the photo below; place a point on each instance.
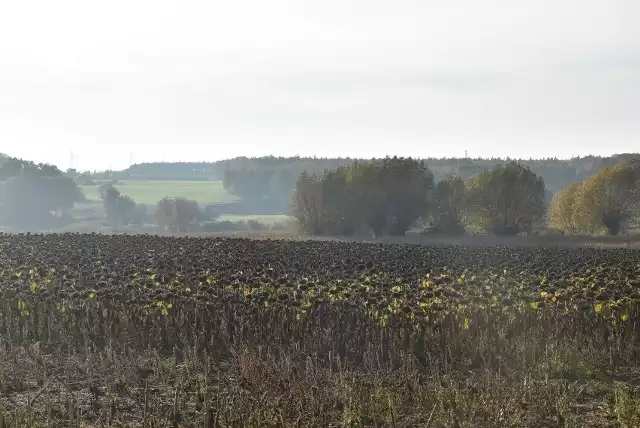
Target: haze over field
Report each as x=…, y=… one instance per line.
x=201, y=80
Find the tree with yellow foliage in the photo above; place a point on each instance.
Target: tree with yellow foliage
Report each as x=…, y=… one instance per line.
x=608, y=200
x=562, y=214
x=612, y=196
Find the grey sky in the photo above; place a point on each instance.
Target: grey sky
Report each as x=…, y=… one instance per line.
x=205, y=79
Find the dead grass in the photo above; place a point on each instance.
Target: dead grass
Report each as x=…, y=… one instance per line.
x=254, y=389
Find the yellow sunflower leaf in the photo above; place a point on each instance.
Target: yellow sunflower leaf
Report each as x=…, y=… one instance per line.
x=467, y=323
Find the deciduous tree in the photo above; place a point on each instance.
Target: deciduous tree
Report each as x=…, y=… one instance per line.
x=176, y=214
x=506, y=200
x=31, y=200
x=448, y=205
x=385, y=196
x=306, y=204
x=119, y=208
x=563, y=214
x=611, y=198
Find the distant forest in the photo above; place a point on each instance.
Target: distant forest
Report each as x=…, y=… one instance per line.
x=275, y=177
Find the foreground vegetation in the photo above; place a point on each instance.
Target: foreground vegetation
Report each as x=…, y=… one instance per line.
x=150, y=331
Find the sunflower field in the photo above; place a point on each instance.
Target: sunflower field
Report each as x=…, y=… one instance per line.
x=146, y=331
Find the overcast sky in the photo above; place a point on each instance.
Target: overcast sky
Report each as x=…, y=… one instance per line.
x=210, y=79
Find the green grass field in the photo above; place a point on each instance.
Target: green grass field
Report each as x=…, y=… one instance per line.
x=264, y=219
x=151, y=191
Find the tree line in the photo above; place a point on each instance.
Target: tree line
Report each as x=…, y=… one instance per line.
x=266, y=183
x=389, y=196
x=271, y=187
x=556, y=173
x=13, y=167
x=383, y=196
